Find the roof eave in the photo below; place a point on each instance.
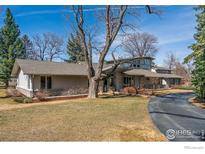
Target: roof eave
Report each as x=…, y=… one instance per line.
x=15, y=69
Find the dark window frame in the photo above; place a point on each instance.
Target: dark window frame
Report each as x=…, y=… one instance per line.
x=49, y=82
x=43, y=82
x=127, y=81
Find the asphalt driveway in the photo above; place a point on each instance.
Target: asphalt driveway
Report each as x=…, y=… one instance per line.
x=177, y=118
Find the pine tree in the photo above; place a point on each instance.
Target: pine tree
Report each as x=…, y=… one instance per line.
x=29, y=48
x=74, y=49
x=11, y=47
x=198, y=55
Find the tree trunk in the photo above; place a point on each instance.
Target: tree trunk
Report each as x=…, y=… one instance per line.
x=7, y=84
x=93, y=88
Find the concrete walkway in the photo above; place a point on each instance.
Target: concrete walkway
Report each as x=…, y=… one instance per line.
x=177, y=118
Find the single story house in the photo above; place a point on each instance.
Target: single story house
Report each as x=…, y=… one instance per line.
x=34, y=76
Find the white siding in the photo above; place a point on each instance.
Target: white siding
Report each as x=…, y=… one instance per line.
x=24, y=83
x=22, y=80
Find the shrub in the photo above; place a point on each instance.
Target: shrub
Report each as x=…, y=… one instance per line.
x=130, y=90
x=18, y=99
x=41, y=95
x=27, y=100
x=22, y=99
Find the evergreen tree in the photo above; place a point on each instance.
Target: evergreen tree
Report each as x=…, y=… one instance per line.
x=198, y=55
x=74, y=49
x=11, y=47
x=29, y=48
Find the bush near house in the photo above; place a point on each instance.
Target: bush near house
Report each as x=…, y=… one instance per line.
x=23, y=99
x=130, y=90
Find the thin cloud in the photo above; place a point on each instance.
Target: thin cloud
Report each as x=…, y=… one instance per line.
x=66, y=11
x=174, y=40
x=40, y=12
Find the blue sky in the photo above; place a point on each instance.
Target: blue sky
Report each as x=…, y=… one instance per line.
x=174, y=28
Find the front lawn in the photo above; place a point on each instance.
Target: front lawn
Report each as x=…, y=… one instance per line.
x=104, y=119
x=4, y=100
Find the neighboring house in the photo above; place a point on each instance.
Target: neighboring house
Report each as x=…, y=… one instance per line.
x=33, y=76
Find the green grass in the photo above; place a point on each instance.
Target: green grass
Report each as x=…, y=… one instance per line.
x=185, y=88
x=103, y=119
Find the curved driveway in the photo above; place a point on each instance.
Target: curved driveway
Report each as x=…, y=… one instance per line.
x=177, y=118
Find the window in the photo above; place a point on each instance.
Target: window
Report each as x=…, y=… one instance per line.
x=43, y=82
x=147, y=61
x=49, y=82
x=46, y=82
x=134, y=65
x=127, y=81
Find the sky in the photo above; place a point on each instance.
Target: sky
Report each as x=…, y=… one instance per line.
x=174, y=28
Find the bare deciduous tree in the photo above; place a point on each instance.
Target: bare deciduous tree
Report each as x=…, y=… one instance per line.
x=113, y=24
x=170, y=61
x=177, y=67
x=182, y=70
x=113, y=19
x=140, y=44
x=48, y=46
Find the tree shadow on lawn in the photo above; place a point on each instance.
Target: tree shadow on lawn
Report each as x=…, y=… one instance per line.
x=179, y=115
x=181, y=96
x=4, y=97
x=118, y=96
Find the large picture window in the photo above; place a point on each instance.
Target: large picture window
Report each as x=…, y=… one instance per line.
x=127, y=81
x=49, y=82
x=46, y=82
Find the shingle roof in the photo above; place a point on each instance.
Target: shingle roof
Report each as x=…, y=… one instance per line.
x=161, y=68
x=50, y=68
x=147, y=73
